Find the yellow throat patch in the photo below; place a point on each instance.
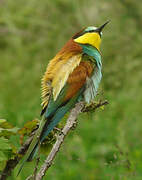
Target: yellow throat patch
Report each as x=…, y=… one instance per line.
x=93, y=39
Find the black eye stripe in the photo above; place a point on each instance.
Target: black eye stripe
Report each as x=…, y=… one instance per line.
x=83, y=32
x=91, y=31
x=78, y=35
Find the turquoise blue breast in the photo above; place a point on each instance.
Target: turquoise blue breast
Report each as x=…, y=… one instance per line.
x=93, y=82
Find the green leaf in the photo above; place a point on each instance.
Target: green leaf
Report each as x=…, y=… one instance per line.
x=8, y=132
x=102, y=107
x=48, y=143
x=29, y=127
x=7, y=150
x=2, y=163
x=3, y=157
x=7, y=129
x=2, y=121
x=5, y=124
x=4, y=144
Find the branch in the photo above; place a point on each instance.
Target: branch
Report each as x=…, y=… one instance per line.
x=71, y=122
x=93, y=106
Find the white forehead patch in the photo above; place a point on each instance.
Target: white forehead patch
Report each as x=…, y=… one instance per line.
x=90, y=28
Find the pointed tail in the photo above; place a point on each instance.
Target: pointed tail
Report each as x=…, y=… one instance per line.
x=34, y=144
x=46, y=126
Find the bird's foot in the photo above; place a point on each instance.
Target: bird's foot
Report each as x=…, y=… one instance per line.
x=61, y=133
x=90, y=106
x=59, y=130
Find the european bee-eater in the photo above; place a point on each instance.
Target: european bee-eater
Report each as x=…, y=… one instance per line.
x=72, y=75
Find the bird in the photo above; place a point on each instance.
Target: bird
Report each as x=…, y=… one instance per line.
x=74, y=74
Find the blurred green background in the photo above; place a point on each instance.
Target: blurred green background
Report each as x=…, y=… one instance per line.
x=107, y=144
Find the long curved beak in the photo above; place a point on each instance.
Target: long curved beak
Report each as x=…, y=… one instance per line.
x=102, y=27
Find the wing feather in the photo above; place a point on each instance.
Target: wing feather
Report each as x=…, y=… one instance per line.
x=56, y=76
x=63, y=73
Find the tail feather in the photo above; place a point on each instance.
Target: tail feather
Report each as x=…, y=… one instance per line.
x=33, y=153
x=46, y=127
x=58, y=116
x=34, y=144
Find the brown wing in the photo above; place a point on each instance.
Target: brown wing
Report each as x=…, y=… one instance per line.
x=78, y=78
x=59, y=69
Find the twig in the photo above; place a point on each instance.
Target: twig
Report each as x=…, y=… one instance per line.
x=71, y=122
x=30, y=177
x=93, y=106
x=37, y=162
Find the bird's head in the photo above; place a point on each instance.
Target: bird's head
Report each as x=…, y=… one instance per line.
x=90, y=35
